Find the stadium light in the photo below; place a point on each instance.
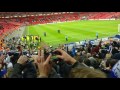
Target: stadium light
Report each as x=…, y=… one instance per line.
x=6, y=17
x=55, y=13
x=40, y=14
x=15, y=16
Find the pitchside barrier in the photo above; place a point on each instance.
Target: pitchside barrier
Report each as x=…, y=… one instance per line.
x=60, y=22
x=104, y=19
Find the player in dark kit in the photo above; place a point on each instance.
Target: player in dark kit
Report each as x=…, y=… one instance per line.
x=66, y=37
x=97, y=35
x=40, y=39
x=58, y=31
x=30, y=38
x=25, y=37
x=37, y=38
x=45, y=34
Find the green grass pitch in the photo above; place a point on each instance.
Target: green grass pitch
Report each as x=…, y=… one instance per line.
x=76, y=31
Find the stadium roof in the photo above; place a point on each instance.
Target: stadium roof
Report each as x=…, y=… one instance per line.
x=25, y=14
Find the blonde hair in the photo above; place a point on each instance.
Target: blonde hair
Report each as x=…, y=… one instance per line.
x=86, y=72
x=108, y=56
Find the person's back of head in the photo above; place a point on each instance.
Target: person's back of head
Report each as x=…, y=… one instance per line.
x=83, y=53
x=88, y=55
x=108, y=55
x=116, y=56
x=81, y=59
x=90, y=63
x=77, y=57
x=93, y=62
x=85, y=72
x=87, y=62
x=111, y=62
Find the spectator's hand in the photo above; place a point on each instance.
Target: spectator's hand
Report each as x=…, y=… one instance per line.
x=116, y=48
x=108, y=68
x=0, y=66
x=66, y=57
x=12, y=56
x=43, y=65
x=35, y=58
x=22, y=60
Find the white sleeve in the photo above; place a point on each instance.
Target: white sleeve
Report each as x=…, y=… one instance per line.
x=10, y=65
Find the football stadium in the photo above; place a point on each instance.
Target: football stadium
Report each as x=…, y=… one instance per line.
x=76, y=31
x=36, y=44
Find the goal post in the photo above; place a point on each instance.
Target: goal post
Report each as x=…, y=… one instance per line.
x=118, y=27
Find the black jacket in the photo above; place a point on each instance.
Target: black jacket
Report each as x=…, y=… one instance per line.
x=27, y=71
x=17, y=71
x=30, y=71
x=66, y=68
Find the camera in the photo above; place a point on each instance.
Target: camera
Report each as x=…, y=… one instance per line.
x=54, y=58
x=53, y=53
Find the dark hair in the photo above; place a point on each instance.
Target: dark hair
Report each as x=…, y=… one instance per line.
x=81, y=59
x=18, y=47
x=113, y=62
x=94, y=63
x=87, y=62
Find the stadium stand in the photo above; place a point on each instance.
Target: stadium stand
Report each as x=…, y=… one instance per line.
x=90, y=60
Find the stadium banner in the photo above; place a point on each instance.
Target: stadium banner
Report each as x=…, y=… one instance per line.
x=103, y=19
x=105, y=39
x=59, y=22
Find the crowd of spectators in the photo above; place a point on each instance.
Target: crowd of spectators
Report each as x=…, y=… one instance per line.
x=88, y=61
